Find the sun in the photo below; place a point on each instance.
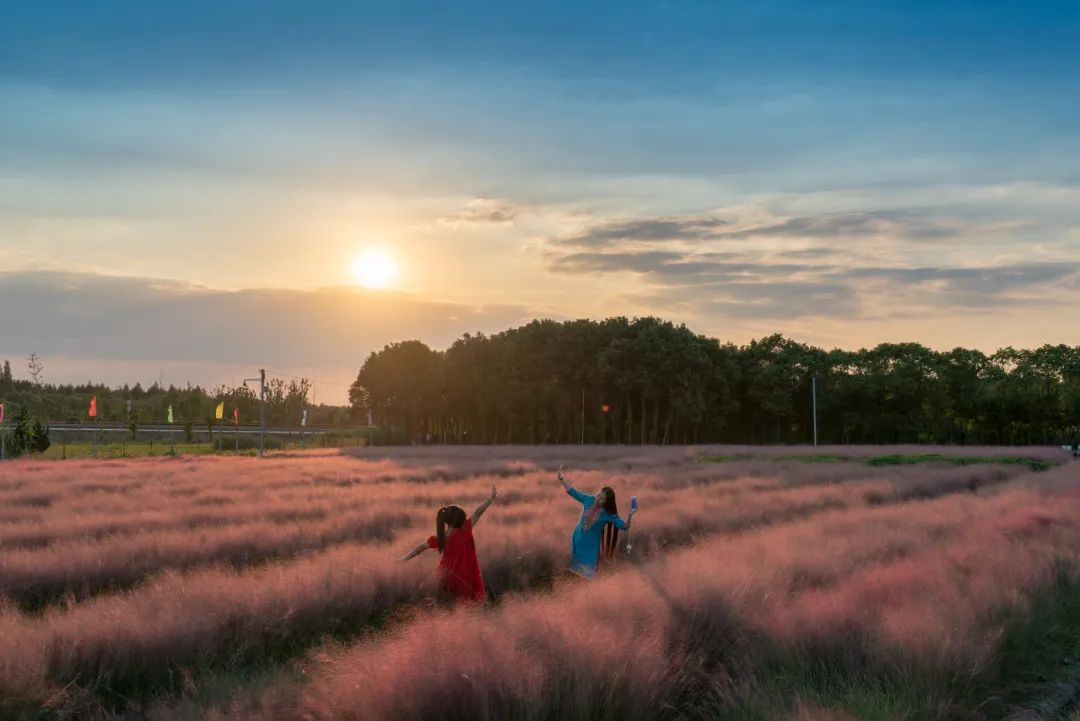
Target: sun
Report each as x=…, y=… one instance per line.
x=374, y=268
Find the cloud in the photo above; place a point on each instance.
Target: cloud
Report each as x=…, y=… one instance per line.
x=783, y=258
x=816, y=252
x=716, y=284
x=899, y=224
x=894, y=224
x=482, y=210
x=645, y=230
x=147, y=319
x=671, y=267
x=778, y=299
x=977, y=288
x=640, y=262
x=784, y=300
x=991, y=278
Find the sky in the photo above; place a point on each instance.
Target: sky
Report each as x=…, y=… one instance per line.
x=185, y=187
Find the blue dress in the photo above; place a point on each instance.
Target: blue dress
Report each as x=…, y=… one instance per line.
x=585, y=544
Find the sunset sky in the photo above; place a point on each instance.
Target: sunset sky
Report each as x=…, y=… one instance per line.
x=201, y=189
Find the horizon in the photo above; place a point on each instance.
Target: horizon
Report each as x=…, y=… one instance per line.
x=187, y=193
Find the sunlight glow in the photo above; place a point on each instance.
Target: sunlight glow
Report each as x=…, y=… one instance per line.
x=374, y=268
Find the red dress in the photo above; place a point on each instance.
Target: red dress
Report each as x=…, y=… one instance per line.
x=459, y=569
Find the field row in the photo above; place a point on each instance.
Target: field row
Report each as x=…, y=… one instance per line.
x=115, y=549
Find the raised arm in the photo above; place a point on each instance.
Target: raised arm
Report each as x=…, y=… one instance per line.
x=484, y=506
x=420, y=548
x=571, y=491
x=565, y=483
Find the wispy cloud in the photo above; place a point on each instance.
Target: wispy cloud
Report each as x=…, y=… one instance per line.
x=995, y=279
x=898, y=225
x=637, y=262
x=975, y=288
x=482, y=210
x=676, y=268
x=757, y=300
x=904, y=224
x=779, y=258
x=644, y=230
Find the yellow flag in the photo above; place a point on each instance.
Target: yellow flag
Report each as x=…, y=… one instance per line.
x=220, y=412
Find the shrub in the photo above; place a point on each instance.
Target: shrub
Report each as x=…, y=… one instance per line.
x=27, y=436
x=229, y=442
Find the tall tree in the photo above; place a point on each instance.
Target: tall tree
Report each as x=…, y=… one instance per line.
x=35, y=367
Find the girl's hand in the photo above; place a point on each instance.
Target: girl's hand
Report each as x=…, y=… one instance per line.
x=631, y=513
x=560, y=476
x=494, y=492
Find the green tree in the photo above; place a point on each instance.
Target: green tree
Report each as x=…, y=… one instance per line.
x=7, y=383
x=27, y=436
x=400, y=380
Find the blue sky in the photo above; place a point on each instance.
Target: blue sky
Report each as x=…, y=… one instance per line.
x=846, y=173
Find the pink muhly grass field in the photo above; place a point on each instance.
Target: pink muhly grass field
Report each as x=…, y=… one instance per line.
x=879, y=594
x=127, y=583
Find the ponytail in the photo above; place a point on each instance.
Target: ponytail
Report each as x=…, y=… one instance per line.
x=452, y=516
x=440, y=529
x=609, y=541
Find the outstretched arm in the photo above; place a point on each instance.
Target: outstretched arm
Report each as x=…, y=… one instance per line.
x=574, y=493
x=484, y=506
x=420, y=548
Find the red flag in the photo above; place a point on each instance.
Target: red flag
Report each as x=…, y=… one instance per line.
x=1, y=412
x=236, y=416
x=93, y=407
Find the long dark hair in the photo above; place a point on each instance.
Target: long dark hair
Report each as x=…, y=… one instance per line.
x=609, y=540
x=447, y=516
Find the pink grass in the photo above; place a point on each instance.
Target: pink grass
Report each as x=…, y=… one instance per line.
x=918, y=591
x=765, y=537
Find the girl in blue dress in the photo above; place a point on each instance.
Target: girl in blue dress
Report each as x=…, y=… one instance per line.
x=597, y=529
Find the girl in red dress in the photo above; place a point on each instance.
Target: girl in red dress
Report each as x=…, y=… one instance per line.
x=459, y=569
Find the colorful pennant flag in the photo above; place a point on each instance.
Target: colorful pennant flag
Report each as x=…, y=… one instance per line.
x=303, y=421
x=93, y=407
x=219, y=413
x=170, y=414
x=236, y=416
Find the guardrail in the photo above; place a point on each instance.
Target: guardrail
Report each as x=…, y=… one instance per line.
x=202, y=428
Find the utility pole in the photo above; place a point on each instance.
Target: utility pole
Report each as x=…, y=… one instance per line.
x=262, y=410
x=813, y=387
x=262, y=407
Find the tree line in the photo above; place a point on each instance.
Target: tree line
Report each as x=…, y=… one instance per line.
x=649, y=381
x=286, y=401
